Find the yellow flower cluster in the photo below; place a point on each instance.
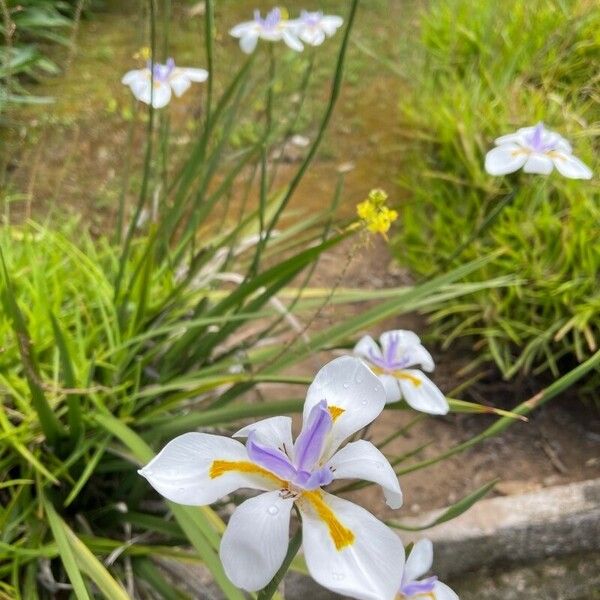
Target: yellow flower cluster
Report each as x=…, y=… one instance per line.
x=143, y=54
x=375, y=216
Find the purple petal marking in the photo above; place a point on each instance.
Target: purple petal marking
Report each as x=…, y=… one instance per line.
x=319, y=478
x=390, y=351
x=380, y=362
x=310, y=442
x=536, y=140
x=161, y=72
x=272, y=459
x=412, y=588
x=312, y=19
x=271, y=20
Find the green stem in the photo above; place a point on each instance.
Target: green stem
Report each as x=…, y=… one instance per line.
x=147, y=164
x=333, y=98
x=268, y=592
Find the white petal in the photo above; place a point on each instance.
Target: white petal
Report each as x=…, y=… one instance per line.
x=313, y=36
x=443, y=592
x=291, y=40
x=367, y=347
x=419, y=355
x=331, y=23
x=195, y=75
x=570, y=166
x=347, y=384
x=181, y=470
x=136, y=75
x=504, y=159
x=421, y=393
x=538, y=163
x=179, y=84
x=368, y=568
x=362, y=460
x=274, y=432
x=256, y=540
x=161, y=94
x=419, y=561
x=403, y=336
x=518, y=137
x=248, y=42
x=242, y=29
x=391, y=387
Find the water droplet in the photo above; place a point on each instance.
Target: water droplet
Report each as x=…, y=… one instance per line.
x=376, y=388
x=380, y=465
x=346, y=386
x=364, y=402
x=359, y=379
x=272, y=510
x=338, y=576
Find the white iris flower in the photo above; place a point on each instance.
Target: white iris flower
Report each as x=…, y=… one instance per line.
x=156, y=82
x=273, y=28
x=418, y=563
x=536, y=150
x=400, y=350
x=347, y=549
x=314, y=27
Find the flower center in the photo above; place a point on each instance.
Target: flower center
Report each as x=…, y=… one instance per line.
x=161, y=73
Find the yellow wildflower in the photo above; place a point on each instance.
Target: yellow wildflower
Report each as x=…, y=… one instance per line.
x=143, y=54
x=374, y=215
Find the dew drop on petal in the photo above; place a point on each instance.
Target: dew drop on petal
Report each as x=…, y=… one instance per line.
x=346, y=386
x=364, y=402
x=272, y=510
x=338, y=576
x=376, y=388
x=359, y=379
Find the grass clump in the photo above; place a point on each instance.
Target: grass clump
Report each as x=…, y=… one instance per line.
x=487, y=69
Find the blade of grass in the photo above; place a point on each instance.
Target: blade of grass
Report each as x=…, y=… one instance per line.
x=66, y=551
x=453, y=511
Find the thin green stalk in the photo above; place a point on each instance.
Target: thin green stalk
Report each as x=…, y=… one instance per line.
x=269, y=591
x=335, y=92
x=290, y=130
x=209, y=28
x=147, y=164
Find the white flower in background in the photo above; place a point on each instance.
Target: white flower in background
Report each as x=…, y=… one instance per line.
x=536, y=150
x=273, y=28
x=418, y=563
x=157, y=81
x=399, y=350
x=346, y=548
x=313, y=27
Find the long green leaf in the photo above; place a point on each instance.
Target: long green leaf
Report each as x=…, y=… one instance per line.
x=94, y=569
x=60, y=532
x=453, y=511
x=48, y=420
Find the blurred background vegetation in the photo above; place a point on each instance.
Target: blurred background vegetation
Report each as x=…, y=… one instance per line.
x=486, y=69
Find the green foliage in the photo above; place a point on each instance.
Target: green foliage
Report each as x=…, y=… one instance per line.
x=488, y=68
x=26, y=29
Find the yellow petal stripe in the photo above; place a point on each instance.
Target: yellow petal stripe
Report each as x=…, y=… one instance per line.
x=341, y=536
x=398, y=375
x=335, y=412
x=220, y=467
